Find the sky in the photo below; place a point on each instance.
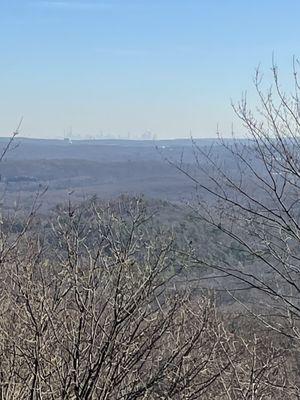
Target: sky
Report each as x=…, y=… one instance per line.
x=126, y=67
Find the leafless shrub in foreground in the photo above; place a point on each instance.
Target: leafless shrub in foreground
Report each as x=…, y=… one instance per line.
x=87, y=314
x=89, y=310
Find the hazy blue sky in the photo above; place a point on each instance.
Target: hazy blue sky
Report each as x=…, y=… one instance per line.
x=119, y=66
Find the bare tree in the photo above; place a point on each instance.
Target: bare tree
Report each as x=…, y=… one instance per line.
x=90, y=309
x=90, y=312
x=251, y=195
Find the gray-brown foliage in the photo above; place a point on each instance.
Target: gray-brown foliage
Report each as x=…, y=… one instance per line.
x=90, y=310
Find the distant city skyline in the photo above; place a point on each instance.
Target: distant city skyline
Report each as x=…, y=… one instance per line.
x=146, y=135
x=127, y=67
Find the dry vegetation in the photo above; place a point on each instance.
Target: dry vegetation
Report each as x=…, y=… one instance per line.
x=90, y=310
x=93, y=304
